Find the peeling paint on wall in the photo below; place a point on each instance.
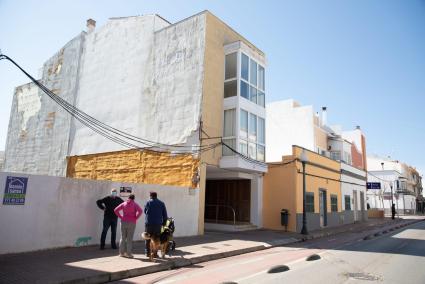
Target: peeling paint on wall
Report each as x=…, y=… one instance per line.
x=29, y=103
x=136, y=167
x=39, y=130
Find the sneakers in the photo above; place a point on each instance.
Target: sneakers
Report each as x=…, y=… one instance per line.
x=122, y=255
x=129, y=255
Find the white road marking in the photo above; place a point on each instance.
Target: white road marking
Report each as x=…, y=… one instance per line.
x=166, y=281
x=250, y=276
x=251, y=260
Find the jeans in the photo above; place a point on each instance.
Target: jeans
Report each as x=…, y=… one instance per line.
x=109, y=222
x=151, y=230
x=127, y=233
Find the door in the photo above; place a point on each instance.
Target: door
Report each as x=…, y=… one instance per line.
x=323, y=208
x=362, y=204
x=356, y=209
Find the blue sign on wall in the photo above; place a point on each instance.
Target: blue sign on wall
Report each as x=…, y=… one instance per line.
x=15, y=190
x=373, y=185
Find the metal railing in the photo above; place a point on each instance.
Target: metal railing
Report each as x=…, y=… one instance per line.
x=217, y=206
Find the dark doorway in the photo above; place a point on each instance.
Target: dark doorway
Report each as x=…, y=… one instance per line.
x=228, y=199
x=323, y=208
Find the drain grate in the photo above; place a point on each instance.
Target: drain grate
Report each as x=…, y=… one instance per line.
x=363, y=276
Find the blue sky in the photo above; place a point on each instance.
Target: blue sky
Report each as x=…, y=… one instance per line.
x=364, y=60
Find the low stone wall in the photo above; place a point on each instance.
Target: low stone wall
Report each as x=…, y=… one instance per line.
x=375, y=213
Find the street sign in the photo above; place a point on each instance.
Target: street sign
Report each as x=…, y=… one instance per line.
x=373, y=185
x=15, y=190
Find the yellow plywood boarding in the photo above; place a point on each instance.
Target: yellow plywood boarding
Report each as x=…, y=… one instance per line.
x=136, y=167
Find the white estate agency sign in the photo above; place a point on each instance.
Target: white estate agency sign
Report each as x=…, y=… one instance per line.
x=15, y=190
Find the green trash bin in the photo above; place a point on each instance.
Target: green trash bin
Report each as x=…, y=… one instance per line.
x=284, y=217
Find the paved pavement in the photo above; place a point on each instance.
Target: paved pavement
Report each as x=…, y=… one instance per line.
x=90, y=265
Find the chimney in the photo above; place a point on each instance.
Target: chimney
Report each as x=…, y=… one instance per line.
x=324, y=116
x=91, y=24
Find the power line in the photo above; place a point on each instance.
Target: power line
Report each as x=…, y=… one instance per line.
x=123, y=138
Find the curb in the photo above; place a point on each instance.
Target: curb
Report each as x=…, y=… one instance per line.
x=177, y=263
x=183, y=262
x=390, y=229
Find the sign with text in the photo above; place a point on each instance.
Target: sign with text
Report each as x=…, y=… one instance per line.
x=15, y=190
x=373, y=185
x=125, y=191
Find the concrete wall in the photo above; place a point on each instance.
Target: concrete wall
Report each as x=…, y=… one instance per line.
x=288, y=124
x=58, y=211
x=39, y=130
x=1, y=160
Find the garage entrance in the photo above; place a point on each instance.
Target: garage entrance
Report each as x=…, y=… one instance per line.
x=228, y=201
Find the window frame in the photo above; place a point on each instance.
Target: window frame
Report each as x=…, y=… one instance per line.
x=309, y=207
x=334, y=197
x=349, y=202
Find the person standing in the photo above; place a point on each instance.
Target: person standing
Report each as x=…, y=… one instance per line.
x=131, y=212
x=108, y=204
x=156, y=215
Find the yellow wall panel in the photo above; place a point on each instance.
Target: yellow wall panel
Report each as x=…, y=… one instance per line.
x=136, y=167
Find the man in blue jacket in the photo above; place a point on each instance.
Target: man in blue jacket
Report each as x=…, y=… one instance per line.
x=156, y=215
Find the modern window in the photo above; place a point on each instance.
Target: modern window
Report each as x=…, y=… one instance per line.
x=231, y=66
x=230, y=76
x=229, y=131
x=244, y=66
x=229, y=122
x=347, y=202
x=261, y=130
x=253, y=73
x=244, y=90
x=244, y=76
x=252, y=76
x=309, y=202
x=243, y=132
x=251, y=135
x=334, y=203
x=230, y=89
x=261, y=75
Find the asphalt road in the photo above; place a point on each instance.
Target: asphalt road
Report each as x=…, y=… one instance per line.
x=397, y=257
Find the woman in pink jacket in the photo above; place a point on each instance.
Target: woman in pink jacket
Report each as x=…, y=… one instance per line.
x=131, y=212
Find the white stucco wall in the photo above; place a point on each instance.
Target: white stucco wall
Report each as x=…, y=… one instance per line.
x=143, y=76
x=288, y=124
x=39, y=130
x=58, y=211
x=351, y=183
x=354, y=136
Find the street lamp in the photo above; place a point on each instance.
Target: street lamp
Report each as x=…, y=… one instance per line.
x=392, y=201
x=304, y=159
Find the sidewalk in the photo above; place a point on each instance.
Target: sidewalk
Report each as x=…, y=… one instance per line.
x=90, y=265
